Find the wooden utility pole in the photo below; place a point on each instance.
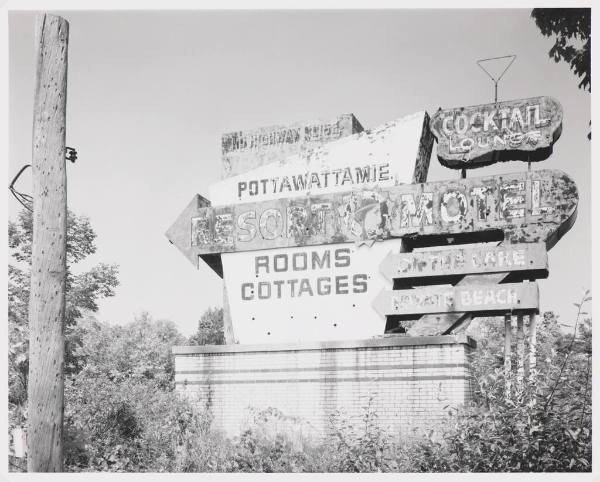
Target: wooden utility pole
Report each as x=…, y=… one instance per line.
x=48, y=257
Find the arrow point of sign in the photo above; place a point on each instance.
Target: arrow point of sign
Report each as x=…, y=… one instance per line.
x=379, y=303
x=386, y=268
x=180, y=232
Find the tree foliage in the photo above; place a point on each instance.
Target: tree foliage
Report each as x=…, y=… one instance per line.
x=572, y=30
x=210, y=329
x=83, y=290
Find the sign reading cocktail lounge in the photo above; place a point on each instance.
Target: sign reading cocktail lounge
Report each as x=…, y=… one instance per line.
x=479, y=135
x=535, y=206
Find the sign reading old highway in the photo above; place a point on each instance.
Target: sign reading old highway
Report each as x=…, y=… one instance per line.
x=479, y=135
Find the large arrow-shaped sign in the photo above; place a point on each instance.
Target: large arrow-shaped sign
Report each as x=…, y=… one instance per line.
x=482, y=299
x=532, y=206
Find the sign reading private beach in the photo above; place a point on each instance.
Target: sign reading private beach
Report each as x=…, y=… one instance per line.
x=483, y=299
x=478, y=135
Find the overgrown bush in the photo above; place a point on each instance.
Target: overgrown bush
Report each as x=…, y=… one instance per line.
x=544, y=424
x=136, y=427
x=122, y=414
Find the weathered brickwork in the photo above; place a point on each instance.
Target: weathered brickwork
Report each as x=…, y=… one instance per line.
x=409, y=382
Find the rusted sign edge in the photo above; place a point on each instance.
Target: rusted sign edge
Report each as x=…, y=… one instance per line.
x=529, y=258
x=466, y=160
x=179, y=235
x=371, y=218
x=484, y=299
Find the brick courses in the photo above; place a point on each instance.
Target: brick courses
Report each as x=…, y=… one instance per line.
x=409, y=381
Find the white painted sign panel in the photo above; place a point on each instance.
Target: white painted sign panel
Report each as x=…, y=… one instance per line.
x=394, y=153
x=307, y=293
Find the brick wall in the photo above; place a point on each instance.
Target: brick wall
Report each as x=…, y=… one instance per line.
x=407, y=380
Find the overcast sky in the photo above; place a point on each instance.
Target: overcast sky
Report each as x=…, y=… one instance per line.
x=149, y=95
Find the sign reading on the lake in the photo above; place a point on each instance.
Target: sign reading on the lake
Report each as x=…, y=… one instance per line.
x=479, y=135
x=530, y=259
x=244, y=150
x=482, y=299
x=534, y=206
x=393, y=153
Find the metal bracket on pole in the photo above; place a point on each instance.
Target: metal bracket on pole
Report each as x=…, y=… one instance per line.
x=479, y=62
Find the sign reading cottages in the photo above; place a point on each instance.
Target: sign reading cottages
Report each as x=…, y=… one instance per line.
x=307, y=293
x=475, y=136
x=531, y=206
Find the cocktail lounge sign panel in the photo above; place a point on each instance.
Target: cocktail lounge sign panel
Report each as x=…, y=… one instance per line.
x=534, y=206
x=478, y=135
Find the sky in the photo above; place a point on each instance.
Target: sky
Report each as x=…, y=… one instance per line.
x=150, y=93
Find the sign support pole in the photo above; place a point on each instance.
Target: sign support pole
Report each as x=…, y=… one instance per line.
x=532, y=347
x=48, y=257
x=507, y=351
x=520, y=352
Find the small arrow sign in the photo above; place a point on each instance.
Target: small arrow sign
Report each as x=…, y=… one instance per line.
x=530, y=259
x=483, y=299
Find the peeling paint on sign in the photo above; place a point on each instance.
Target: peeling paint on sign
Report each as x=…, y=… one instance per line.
x=393, y=153
x=476, y=136
x=482, y=299
x=245, y=150
x=533, y=206
x=526, y=257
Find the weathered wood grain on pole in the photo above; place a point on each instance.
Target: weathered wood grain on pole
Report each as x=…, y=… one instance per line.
x=48, y=259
